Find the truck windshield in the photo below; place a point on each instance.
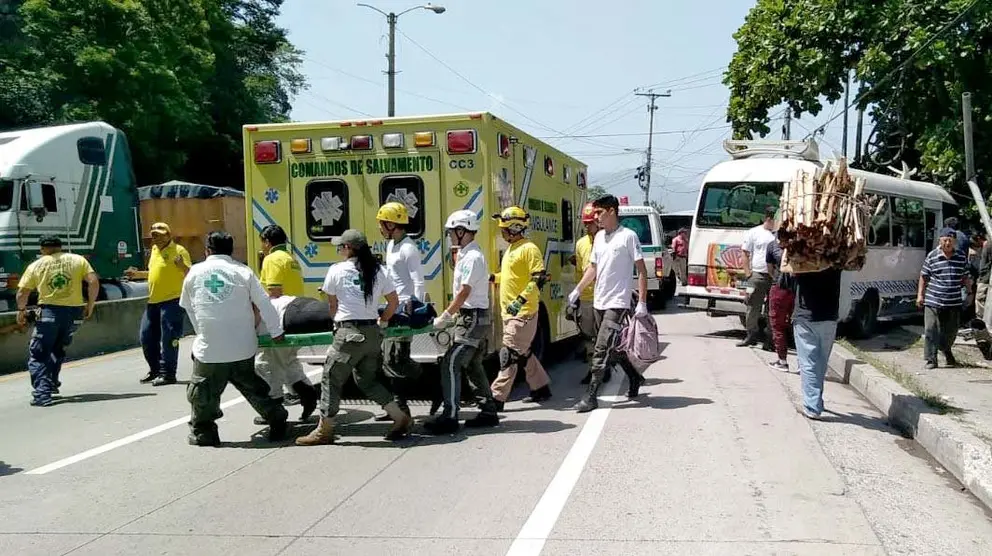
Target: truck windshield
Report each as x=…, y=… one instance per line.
x=6, y=195
x=736, y=204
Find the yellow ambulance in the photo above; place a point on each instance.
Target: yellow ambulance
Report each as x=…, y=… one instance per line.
x=317, y=179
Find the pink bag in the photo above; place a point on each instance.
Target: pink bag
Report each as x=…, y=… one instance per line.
x=639, y=341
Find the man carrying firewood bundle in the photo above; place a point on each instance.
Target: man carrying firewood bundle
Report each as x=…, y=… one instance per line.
x=756, y=271
x=944, y=273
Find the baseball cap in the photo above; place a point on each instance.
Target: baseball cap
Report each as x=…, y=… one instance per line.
x=948, y=232
x=351, y=237
x=161, y=228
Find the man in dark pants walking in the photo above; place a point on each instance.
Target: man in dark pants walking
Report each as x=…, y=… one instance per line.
x=219, y=295
x=944, y=273
x=59, y=278
x=756, y=271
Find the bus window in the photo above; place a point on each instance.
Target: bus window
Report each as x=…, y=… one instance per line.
x=408, y=190
x=879, y=234
x=327, y=209
x=736, y=204
x=640, y=225
x=908, y=222
x=931, y=228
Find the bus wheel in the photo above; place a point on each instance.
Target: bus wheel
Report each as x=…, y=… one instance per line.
x=865, y=316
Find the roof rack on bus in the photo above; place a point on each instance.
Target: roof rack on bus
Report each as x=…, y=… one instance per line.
x=806, y=150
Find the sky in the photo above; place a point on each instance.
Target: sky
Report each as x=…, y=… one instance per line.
x=564, y=71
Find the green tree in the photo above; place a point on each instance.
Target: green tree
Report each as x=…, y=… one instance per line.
x=656, y=205
x=594, y=192
x=800, y=52
x=180, y=78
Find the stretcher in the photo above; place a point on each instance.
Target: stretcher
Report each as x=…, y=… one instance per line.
x=327, y=338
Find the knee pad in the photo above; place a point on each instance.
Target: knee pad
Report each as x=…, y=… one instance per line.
x=508, y=357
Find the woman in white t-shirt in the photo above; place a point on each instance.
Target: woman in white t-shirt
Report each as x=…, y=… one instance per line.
x=353, y=288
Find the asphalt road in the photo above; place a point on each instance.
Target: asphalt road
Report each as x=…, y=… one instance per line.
x=712, y=459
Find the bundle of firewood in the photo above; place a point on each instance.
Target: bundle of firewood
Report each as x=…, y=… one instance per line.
x=824, y=220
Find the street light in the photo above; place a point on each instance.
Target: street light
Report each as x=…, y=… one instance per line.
x=391, y=56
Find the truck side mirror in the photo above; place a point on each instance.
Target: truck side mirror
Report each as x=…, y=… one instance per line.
x=36, y=199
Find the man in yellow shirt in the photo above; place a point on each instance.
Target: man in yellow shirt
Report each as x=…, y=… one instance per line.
x=58, y=277
x=282, y=279
x=521, y=276
x=162, y=323
x=281, y=274
x=586, y=313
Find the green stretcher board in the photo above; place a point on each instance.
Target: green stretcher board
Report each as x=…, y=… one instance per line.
x=327, y=338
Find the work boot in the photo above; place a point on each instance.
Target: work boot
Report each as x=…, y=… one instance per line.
x=262, y=421
x=383, y=417
x=441, y=425
x=482, y=420
x=164, y=380
x=308, y=399
x=401, y=422
x=951, y=361
x=634, y=388
x=499, y=406
x=278, y=430
x=204, y=439
x=537, y=396
x=323, y=434
x=150, y=377
x=589, y=400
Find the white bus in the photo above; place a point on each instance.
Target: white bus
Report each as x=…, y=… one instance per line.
x=735, y=194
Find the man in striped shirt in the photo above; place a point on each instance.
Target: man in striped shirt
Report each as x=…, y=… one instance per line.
x=945, y=272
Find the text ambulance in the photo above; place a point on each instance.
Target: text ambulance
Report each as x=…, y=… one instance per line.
x=318, y=179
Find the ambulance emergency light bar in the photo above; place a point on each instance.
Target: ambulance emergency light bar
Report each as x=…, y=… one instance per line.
x=460, y=141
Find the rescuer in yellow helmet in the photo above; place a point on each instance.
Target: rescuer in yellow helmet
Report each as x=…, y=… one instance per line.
x=522, y=275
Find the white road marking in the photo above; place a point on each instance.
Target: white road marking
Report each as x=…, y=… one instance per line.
x=82, y=456
x=532, y=536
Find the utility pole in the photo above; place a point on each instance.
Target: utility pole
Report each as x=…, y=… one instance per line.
x=787, y=124
x=391, y=58
x=391, y=55
x=847, y=97
x=646, y=187
x=969, y=139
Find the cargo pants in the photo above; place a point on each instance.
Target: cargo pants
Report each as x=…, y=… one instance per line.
x=356, y=350
x=207, y=384
x=518, y=337
x=610, y=323
x=52, y=334
x=464, y=357
x=588, y=327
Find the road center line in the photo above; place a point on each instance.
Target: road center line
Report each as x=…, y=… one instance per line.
x=82, y=456
x=532, y=536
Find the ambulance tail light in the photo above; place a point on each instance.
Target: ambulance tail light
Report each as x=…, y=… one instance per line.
x=268, y=152
x=461, y=141
x=361, y=142
x=301, y=146
x=659, y=268
x=332, y=143
x=392, y=140
x=697, y=275
x=423, y=139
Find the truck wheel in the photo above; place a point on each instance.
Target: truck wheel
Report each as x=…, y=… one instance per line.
x=865, y=316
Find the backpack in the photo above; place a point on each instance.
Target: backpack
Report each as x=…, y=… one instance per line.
x=423, y=314
x=639, y=342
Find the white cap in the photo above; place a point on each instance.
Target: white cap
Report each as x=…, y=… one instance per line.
x=463, y=219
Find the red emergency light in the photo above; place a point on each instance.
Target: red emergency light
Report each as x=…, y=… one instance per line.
x=624, y=200
x=361, y=142
x=659, y=268
x=268, y=152
x=461, y=141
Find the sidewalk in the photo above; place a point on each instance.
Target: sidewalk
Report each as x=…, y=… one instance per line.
x=947, y=410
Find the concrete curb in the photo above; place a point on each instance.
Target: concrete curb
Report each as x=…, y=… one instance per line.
x=962, y=453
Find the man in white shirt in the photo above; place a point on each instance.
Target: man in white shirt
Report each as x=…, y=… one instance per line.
x=404, y=268
x=616, y=252
x=756, y=272
x=469, y=314
x=280, y=366
x=219, y=295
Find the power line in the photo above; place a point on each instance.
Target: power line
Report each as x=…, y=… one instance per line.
x=334, y=102
x=670, y=132
x=680, y=79
x=933, y=38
